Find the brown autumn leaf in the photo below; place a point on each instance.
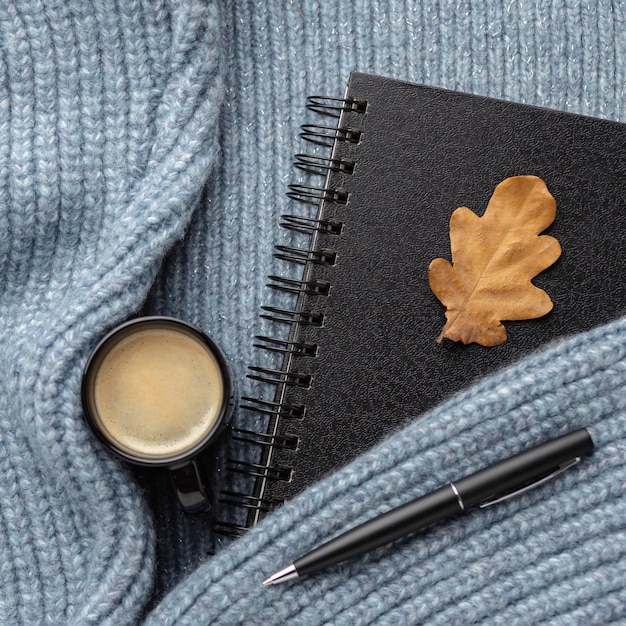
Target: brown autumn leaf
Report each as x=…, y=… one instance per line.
x=494, y=258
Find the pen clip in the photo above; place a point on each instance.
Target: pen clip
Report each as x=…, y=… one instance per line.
x=540, y=481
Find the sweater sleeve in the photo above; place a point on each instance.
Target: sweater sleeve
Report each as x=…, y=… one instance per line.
x=554, y=555
x=108, y=132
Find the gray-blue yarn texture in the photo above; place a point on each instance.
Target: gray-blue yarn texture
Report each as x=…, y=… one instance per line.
x=145, y=150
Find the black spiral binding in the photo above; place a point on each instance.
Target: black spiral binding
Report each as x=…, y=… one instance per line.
x=313, y=164
x=281, y=411
x=296, y=348
x=314, y=287
x=314, y=195
x=335, y=106
x=308, y=225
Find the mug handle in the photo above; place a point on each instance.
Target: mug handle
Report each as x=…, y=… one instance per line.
x=190, y=488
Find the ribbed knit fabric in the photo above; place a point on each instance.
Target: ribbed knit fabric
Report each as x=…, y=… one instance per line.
x=108, y=132
x=127, y=126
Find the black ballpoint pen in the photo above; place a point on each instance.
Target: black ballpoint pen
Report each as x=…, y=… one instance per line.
x=488, y=486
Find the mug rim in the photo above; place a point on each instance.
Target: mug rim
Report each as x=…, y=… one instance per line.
x=88, y=404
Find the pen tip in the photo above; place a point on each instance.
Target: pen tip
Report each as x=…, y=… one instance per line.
x=285, y=574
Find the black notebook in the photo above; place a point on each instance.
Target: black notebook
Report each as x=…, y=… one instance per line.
x=395, y=160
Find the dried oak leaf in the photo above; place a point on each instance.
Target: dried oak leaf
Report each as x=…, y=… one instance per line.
x=494, y=258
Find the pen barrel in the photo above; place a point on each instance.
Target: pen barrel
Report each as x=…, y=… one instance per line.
x=523, y=469
x=381, y=530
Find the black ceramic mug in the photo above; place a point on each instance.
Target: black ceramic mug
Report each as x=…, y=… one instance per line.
x=157, y=391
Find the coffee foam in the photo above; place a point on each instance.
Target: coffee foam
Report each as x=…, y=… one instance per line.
x=158, y=393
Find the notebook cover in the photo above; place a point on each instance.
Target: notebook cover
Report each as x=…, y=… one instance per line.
x=422, y=153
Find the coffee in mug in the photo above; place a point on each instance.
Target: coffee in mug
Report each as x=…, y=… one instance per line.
x=157, y=391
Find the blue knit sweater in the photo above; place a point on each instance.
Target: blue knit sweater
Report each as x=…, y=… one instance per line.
x=145, y=149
